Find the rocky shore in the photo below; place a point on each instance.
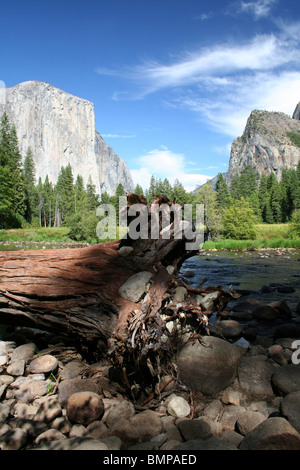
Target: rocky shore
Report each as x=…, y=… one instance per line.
x=238, y=388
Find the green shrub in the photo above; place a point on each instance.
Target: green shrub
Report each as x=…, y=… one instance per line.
x=295, y=225
x=82, y=226
x=239, y=220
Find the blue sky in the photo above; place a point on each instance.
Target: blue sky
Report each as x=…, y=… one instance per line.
x=172, y=81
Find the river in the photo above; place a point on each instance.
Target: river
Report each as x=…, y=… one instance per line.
x=268, y=275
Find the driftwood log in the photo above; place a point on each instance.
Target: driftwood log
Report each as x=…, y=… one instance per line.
x=78, y=292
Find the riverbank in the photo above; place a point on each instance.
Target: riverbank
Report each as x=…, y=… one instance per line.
x=244, y=392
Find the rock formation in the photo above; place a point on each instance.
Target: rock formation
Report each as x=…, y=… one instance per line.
x=60, y=129
x=267, y=144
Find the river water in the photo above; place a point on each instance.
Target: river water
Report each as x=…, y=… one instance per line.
x=266, y=274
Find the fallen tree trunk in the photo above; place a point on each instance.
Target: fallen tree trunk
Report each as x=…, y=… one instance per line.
x=109, y=297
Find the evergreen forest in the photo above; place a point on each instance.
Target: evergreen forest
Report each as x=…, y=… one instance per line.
x=230, y=213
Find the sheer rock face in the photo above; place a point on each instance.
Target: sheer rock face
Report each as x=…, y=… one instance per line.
x=60, y=129
x=266, y=144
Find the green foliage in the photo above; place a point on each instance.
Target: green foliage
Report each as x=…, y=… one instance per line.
x=294, y=137
x=295, y=225
x=239, y=220
x=82, y=226
x=212, y=214
x=12, y=195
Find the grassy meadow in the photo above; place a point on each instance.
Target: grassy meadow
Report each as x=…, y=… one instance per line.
x=268, y=236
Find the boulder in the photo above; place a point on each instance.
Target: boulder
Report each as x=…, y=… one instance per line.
x=254, y=375
x=230, y=329
x=286, y=379
x=142, y=427
x=210, y=366
x=67, y=387
x=135, y=286
x=84, y=407
x=272, y=434
x=290, y=408
x=248, y=421
x=194, y=429
x=43, y=364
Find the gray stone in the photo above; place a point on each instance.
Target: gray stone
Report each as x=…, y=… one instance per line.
x=247, y=421
x=24, y=410
x=24, y=352
x=75, y=443
x=5, y=411
x=125, y=251
x=290, y=408
x=180, y=294
x=230, y=416
x=266, y=312
x=124, y=409
x=194, y=429
x=16, y=368
x=232, y=436
x=135, y=286
x=178, y=407
x=66, y=388
x=272, y=434
x=140, y=428
x=2, y=391
x=208, y=302
x=228, y=329
x=43, y=364
x=49, y=408
x=96, y=430
x=30, y=427
x=209, y=367
x=30, y=390
x=49, y=436
x=213, y=443
x=286, y=379
x=14, y=439
x=71, y=370
x=62, y=424
x=78, y=430
x=254, y=374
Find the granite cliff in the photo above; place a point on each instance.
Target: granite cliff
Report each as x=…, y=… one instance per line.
x=269, y=144
x=60, y=129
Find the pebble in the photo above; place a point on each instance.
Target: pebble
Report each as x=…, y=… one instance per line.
x=258, y=408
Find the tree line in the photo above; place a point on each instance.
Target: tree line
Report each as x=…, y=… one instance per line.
x=42, y=203
x=229, y=212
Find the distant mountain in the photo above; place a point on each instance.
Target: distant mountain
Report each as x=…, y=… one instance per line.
x=270, y=143
x=60, y=129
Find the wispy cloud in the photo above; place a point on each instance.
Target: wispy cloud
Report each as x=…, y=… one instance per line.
x=260, y=8
x=163, y=163
x=119, y=136
x=224, y=82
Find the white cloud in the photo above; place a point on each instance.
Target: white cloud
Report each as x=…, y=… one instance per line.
x=119, y=136
x=223, y=83
x=162, y=163
x=260, y=8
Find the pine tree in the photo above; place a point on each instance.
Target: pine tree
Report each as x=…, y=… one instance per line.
x=29, y=186
x=264, y=200
x=222, y=192
x=11, y=164
x=138, y=190
x=65, y=195
x=92, y=198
